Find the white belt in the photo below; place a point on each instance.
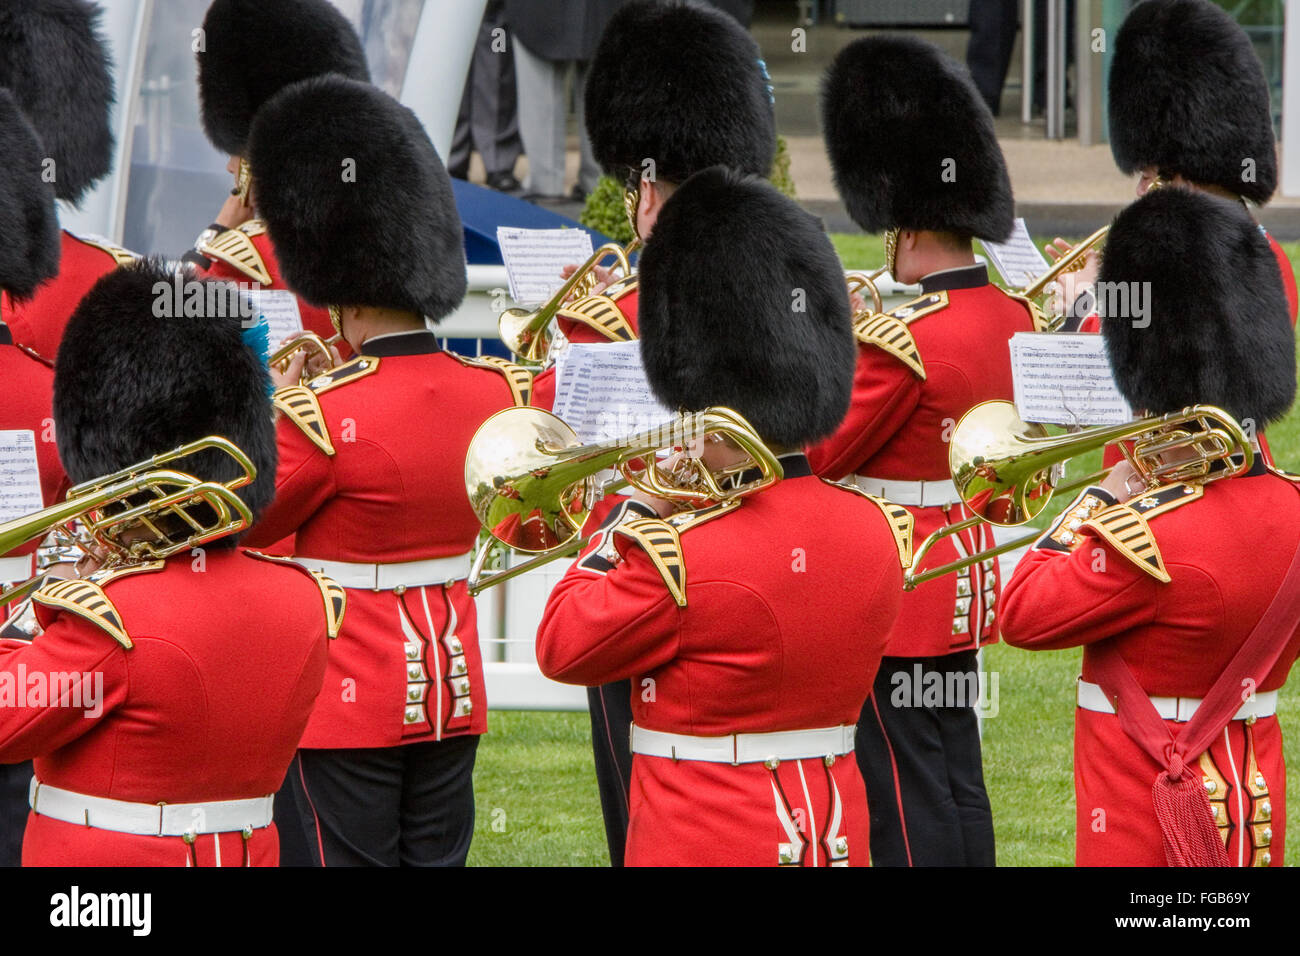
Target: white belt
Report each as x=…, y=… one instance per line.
x=918, y=494
x=1263, y=704
x=15, y=569
x=386, y=577
x=150, y=819
x=746, y=748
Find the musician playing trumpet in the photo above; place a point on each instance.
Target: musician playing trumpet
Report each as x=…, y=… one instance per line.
x=1184, y=601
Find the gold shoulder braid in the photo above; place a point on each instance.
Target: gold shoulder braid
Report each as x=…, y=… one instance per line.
x=900, y=521
x=86, y=598
x=889, y=330
x=351, y=371
x=235, y=248
x=332, y=593
x=517, y=377
x=661, y=539
x=123, y=257
x=1125, y=525
x=1041, y=322
x=300, y=405
x=601, y=314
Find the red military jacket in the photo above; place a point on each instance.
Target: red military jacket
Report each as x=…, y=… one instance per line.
x=919, y=370
x=195, y=682
x=245, y=254
x=38, y=322
x=606, y=317
x=789, y=599
x=1092, y=577
x=371, y=471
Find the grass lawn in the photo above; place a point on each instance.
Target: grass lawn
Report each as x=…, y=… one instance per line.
x=536, y=789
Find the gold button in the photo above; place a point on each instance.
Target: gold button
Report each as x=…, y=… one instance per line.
x=1211, y=786
x=771, y=763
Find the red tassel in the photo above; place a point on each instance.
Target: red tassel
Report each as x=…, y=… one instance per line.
x=1186, y=821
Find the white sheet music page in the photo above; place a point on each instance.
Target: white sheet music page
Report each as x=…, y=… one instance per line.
x=1017, y=260
x=602, y=393
x=1064, y=378
x=280, y=309
x=20, y=479
x=534, y=258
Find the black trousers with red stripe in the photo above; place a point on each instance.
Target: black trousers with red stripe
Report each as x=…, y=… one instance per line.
x=921, y=764
x=611, y=744
x=381, y=806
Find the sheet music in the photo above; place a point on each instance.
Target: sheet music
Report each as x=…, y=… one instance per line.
x=280, y=309
x=1064, y=378
x=20, y=479
x=1017, y=260
x=534, y=258
x=602, y=392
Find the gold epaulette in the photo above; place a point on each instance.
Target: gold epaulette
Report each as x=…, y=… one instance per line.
x=86, y=598
x=517, y=377
x=300, y=405
x=1125, y=525
x=333, y=593
x=661, y=539
x=900, y=521
x=235, y=248
x=601, y=314
x=1041, y=323
x=889, y=330
x=358, y=368
x=122, y=257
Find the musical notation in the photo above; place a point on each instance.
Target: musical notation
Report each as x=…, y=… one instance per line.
x=602, y=392
x=1017, y=260
x=1065, y=379
x=534, y=258
x=20, y=478
x=280, y=309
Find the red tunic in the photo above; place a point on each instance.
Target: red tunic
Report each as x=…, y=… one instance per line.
x=1225, y=562
x=29, y=389
x=581, y=332
x=781, y=632
x=205, y=707
x=393, y=492
x=897, y=426
x=38, y=322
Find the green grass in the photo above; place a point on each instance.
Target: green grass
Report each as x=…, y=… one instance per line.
x=536, y=788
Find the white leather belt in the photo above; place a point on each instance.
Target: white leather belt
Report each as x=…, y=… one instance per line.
x=386, y=577
x=918, y=494
x=746, y=748
x=1263, y=704
x=150, y=819
x=15, y=569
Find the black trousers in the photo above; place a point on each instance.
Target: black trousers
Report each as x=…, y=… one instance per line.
x=385, y=806
x=611, y=726
x=15, y=780
x=993, y=28
x=921, y=764
x=489, y=112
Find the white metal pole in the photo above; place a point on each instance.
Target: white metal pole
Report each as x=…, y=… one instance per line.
x=440, y=58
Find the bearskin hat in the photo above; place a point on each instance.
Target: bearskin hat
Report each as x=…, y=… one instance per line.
x=356, y=200
x=254, y=48
x=1210, y=322
x=744, y=304
x=682, y=84
x=54, y=61
x=911, y=141
x=129, y=385
x=27, y=217
x=1188, y=97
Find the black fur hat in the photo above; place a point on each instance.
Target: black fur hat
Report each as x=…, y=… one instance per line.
x=1219, y=328
x=911, y=141
x=682, y=84
x=255, y=48
x=744, y=304
x=129, y=384
x=30, y=254
x=1188, y=96
x=356, y=200
x=54, y=61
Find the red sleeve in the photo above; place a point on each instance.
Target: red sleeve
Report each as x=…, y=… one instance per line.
x=1059, y=599
x=607, y=622
x=885, y=393
x=69, y=651
x=544, y=389
x=304, y=481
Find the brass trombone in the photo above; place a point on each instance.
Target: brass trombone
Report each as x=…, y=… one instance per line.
x=527, y=334
x=171, y=494
x=532, y=483
x=1067, y=263
x=1006, y=470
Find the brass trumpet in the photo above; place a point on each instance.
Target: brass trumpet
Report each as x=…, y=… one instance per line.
x=527, y=334
x=1067, y=263
x=532, y=483
x=1006, y=471
x=860, y=280
x=171, y=494
x=308, y=342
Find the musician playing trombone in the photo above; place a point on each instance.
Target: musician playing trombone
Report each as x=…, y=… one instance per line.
x=912, y=146
x=1182, y=591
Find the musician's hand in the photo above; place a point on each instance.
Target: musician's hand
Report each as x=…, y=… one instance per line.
x=1124, y=482
x=234, y=213
x=857, y=303
x=292, y=374
x=604, y=279
x=1071, y=284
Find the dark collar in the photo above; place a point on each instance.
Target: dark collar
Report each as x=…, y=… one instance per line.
x=415, y=342
x=966, y=277
x=1257, y=467
x=794, y=465
x=6, y=337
